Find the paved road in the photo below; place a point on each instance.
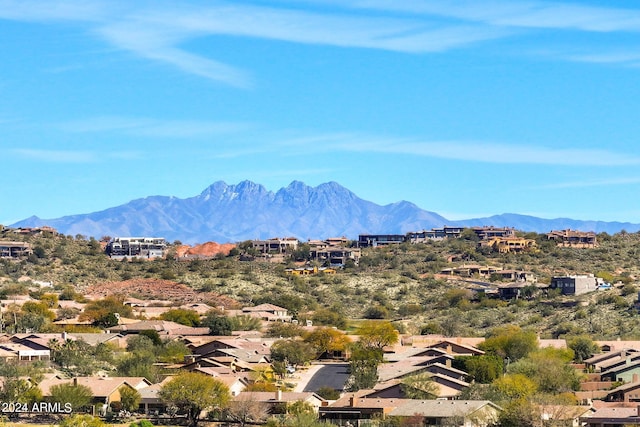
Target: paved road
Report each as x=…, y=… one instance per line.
x=332, y=375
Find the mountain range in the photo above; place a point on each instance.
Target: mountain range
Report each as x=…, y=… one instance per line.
x=233, y=213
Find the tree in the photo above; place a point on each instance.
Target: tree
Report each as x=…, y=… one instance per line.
x=140, y=343
x=139, y=364
x=245, y=323
x=106, y=312
x=77, y=395
x=363, y=366
x=549, y=368
x=377, y=334
x=130, y=398
x=244, y=409
x=76, y=357
x=283, y=330
x=482, y=369
x=172, y=351
x=376, y=312
x=519, y=413
x=515, y=386
x=293, y=352
x=510, y=342
x=217, y=324
x=329, y=317
x=193, y=393
x=583, y=347
x=327, y=340
x=182, y=316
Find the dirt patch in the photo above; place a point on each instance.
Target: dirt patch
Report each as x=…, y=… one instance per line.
x=160, y=289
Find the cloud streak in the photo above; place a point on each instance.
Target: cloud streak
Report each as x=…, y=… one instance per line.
x=590, y=183
x=71, y=156
x=479, y=152
x=158, y=31
x=155, y=128
x=56, y=156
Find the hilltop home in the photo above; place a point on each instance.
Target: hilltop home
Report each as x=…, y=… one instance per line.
x=434, y=234
x=334, y=256
x=573, y=239
x=489, y=232
x=141, y=247
x=375, y=240
x=511, y=244
x=276, y=245
x=575, y=285
x=14, y=249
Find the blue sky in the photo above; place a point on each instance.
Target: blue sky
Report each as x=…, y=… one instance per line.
x=465, y=107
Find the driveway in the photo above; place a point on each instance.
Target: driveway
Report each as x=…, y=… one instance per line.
x=332, y=375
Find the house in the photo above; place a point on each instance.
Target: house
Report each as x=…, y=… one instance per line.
x=471, y=270
x=353, y=409
x=27, y=351
x=517, y=276
x=605, y=360
x=269, y=312
x=471, y=413
x=573, y=238
x=612, y=417
x=575, y=285
x=278, y=400
x=139, y=247
x=236, y=382
x=625, y=393
x=10, y=249
x=357, y=411
x=563, y=415
x=628, y=371
x=375, y=240
x=434, y=234
x=248, y=346
x=516, y=290
x=457, y=349
x=335, y=256
x=103, y=389
x=164, y=328
x=510, y=244
x=276, y=245
x=489, y=232
x=309, y=271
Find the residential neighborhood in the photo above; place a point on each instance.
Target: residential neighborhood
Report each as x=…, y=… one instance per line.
x=127, y=343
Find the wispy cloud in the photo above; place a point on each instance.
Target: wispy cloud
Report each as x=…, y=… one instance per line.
x=470, y=151
x=590, y=183
x=56, y=156
x=71, y=156
x=159, y=31
x=631, y=59
x=513, y=13
x=153, y=127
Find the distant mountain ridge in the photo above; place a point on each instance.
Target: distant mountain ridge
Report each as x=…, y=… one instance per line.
x=232, y=213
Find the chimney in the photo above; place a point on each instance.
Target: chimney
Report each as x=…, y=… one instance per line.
x=75, y=381
x=352, y=401
x=278, y=395
x=64, y=336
